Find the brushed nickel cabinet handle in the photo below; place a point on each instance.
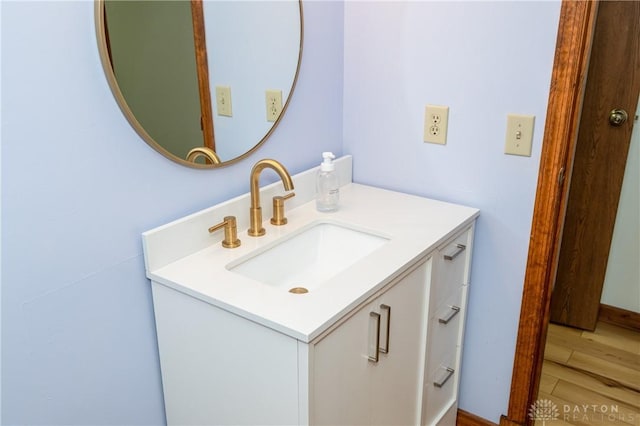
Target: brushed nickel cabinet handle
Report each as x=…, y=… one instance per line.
x=444, y=380
x=452, y=313
x=459, y=249
x=386, y=309
x=374, y=336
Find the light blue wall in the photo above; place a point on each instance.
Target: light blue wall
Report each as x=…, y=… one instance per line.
x=78, y=188
x=483, y=60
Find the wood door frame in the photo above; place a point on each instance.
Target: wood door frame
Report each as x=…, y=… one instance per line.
x=202, y=68
x=568, y=82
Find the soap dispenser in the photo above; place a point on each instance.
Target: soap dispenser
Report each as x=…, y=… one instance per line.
x=327, y=185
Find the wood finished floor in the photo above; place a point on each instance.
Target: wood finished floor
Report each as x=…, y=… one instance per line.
x=593, y=378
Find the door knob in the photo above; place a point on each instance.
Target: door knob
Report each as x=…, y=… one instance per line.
x=617, y=117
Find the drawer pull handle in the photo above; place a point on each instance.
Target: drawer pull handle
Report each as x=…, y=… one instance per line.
x=452, y=313
x=444, y=380
x=459, y=249
x=374, y=336
x=387, y=329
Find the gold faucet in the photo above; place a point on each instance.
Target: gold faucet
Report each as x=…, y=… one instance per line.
x=278, y=218
x=230, y=232
x=203, y=151
x=255, y=212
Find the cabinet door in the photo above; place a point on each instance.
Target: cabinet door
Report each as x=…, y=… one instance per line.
x=397, y=377
x=340, y=373
x=349, y=385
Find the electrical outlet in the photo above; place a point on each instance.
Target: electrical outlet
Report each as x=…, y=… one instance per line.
x=519, y=134
x=223, y=100
x=436, y=119
x=274, y=104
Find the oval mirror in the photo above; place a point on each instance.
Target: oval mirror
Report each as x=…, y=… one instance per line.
x=204, y=82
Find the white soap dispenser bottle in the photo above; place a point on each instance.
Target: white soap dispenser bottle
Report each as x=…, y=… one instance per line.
x=327, y=185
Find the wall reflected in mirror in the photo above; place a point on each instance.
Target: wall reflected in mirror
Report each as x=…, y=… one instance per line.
x=201, y=73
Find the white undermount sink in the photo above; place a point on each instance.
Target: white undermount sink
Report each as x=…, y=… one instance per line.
x=308, y=257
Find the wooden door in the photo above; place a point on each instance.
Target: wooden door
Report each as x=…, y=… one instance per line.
x=601, y=153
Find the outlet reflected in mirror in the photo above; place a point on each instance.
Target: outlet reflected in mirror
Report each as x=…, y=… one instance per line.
x=164, y=60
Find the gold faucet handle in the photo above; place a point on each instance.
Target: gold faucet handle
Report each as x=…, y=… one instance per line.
x=278, y=209
x=230, y=232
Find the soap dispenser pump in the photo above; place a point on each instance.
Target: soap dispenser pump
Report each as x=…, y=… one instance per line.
x=327, y=185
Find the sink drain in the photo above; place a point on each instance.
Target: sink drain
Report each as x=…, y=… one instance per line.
x=298, y=290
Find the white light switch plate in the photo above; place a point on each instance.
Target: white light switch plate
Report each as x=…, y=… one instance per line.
x=223, y=100
x=519, y=134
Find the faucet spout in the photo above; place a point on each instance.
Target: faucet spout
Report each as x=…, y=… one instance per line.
x=203, y=151
x=255, y=212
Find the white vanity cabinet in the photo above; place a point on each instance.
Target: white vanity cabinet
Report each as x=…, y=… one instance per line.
x=367, y=371
x=377, y=343
x=394, y=359
x=219, y=369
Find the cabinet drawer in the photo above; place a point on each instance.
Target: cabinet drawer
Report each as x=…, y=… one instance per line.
x=445, y=326
x=440, y=389
x=452, y=268
x=450, y=417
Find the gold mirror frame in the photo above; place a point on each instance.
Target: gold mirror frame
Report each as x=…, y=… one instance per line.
x=99, y=12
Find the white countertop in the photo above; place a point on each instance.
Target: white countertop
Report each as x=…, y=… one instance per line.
x=415, y=226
